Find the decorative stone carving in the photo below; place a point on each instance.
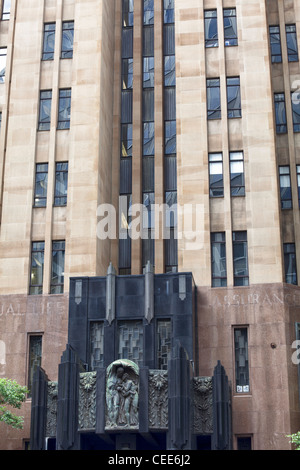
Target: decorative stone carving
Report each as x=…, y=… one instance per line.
x=51, y=412
x=203, y=405
x=87, y=401
x=122, y=395
x=158, y=399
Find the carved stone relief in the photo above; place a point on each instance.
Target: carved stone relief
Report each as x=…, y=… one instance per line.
x=203, y=401
x=51, y=412
x=87, y=401
x=122, y=395
x=158, y=399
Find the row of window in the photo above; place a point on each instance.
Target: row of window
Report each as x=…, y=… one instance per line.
x=237, y=177
x=211, y=27
x=240, y=259
x=41, y=184
x=275, y=43
x=66, y=51
x=234, y=109
x=64, y=109
x=281, y=114
x=57, y=267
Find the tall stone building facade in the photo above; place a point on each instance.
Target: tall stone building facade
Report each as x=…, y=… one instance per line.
x=190, y=106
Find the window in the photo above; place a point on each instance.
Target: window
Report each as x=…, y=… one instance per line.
x=211, y=28
x=241, y=360
x=96, y=345
x=285, y=187
x=6, y=9
x=216, y=182
x=290, y=263
x=233, y=98
x=237, y=179
x=170, y=137
x=148, y=226
x=230, y=27
x=244, y=443
x=126, y=140
x=67, y=40
x=127, y=13
x=275, y=44
x=213, y=98
x=61, y=184
x=171, y=251
x=280, y=113
x=45, y=110
x=131, y=341
x=37, y=268
x=218, y=260
x=58, y=267
x=34, y=359
x=127, y=74
x=64, y=109
x=291, y=39
x=240, y=259
x=148, y=12
x=148, y=72
x=296, y=112
x=3, y=56
x=41, y=182
x=49, y=41
x=169, y=70
x=168, y=11
x=164, y=341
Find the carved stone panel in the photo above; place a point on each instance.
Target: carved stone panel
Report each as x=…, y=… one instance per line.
x=203, y=405
x=122, y=395
x=51, y=412
x=158, y=399
x=87, y=401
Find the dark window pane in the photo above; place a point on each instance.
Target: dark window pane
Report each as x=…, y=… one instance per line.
x=168, y=11
x=230, y=27
x=61, y=184
x=148, y=12
x=34, y=359
x=275, y=44
x=49, y=41
x=213, y=99
x=169, y=70
x=290, y=263
x=148, y=138
x=148, y=41
x=237, y=179
x=127, y=73
x=169, y=39
x=127, y=43
x=37, y=268
x=285, y=187
x=45, y=110
x=131, y=341
x=241, y=360
x=280, y=113
x=170, y=137
x=64, y=109
x=211, y=28
x=126, y=106
x=126, y=140
x=128, y=13
x=148, y=72
x=170, y=173
x=58, y=267
x=148, y=174
x=164, y=343
x=170, y=103
x=148, y=105
x=296, y=112
x=125, y=175
x=67, y=40
x=96, y=345
x=292, y=46
x=233, y=98
x=240, y=259
x=216, y=183
x=41, y=182
x=218, y=260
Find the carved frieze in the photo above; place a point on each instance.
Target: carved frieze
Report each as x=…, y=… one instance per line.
x=203, y=405
x=158, y=399
x=87, y=401
x=51, y=412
